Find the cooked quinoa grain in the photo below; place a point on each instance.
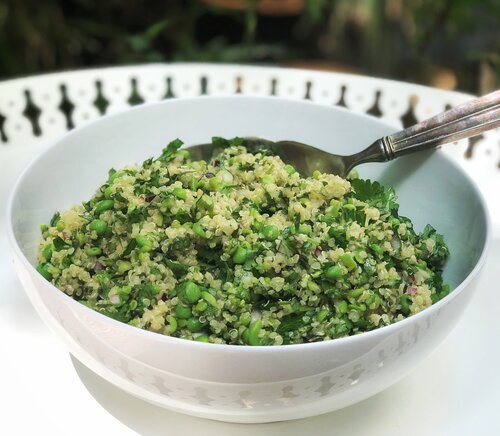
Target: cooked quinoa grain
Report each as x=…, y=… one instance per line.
x=242, y=250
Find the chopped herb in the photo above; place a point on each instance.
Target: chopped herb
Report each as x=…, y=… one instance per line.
x=169, y=151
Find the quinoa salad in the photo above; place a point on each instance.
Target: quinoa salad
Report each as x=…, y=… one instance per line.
x=243, y=250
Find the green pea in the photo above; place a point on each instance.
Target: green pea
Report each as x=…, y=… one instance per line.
x=209, y=298
x=316, y=174
x=341, y=327
x=182, y=312
x=199, y=230
x=331, y=214
x=253, y=332
x=377, y=248
x=99, y=226
x=187, y=225
x=254, y=213
x=257, y=226
x=192, y=292
x=267, y=179
x=168, y=203
x=214, y=184
x=395, y=222
x=179, y=193
x=133, y=322
x=313, y=286
x=43, y=269
x=47, y=252
x=335, y=203
x=158, y=219
x=244, y=336
x=131, y=207
x=244, y=294
x=355, y=293
x=373, y=301
x=342, y=307
x=245, y=318
x=202, y=338
x=144, y=243
x=270, y=232
x=353, y=174
x=93, y=251
x=104, y=205
x=358, y=307
x=369, y=268
x=193, y=184
x=172, y=324
x=334, y=209
x=205, y=202
x=108, y=192
x=80, y=237
x=422, y=264
x=124, y=290
x=333, y=272
x=289, y=169
x=240, y=255
x=184, y=153
x=305, y=229
x=304, y=201
x=201, y=306
x=348, y=261
x=115, y=175
x=60, y=226
x=123, y=266
x=194, y=325
x=322, y=314
x=360, y=256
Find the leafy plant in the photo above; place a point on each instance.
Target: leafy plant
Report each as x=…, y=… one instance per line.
x=408, y=40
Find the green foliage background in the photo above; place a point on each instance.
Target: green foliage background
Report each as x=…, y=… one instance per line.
x=408, y=40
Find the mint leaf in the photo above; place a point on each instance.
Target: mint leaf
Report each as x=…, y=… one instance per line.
x=169, y=151
x=59, y=244
x=55, y=219
x=219, y=142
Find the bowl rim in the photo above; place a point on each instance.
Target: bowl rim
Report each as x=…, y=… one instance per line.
x=170, y=340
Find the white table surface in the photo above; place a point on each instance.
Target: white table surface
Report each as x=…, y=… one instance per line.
x=43, y=390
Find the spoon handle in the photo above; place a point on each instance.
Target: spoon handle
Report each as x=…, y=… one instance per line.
x=462, y=121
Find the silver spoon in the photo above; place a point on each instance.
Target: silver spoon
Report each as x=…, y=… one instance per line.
x=462, y=121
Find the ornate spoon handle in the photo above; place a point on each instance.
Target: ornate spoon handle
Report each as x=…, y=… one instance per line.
x=462, y=121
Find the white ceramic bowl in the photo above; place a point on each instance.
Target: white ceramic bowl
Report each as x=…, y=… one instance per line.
x=242, y=383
